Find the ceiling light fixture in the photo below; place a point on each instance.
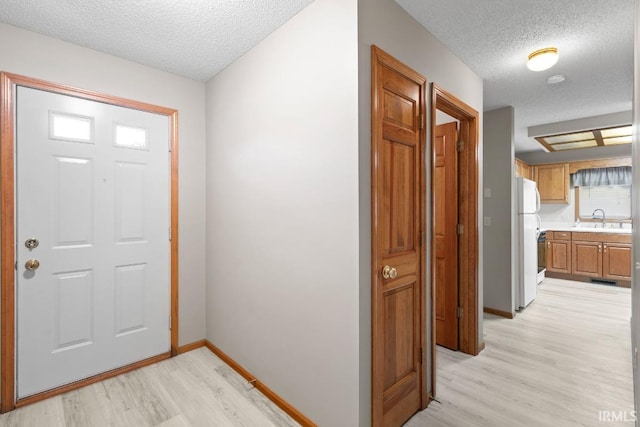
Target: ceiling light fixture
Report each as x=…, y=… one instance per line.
x=542, y=59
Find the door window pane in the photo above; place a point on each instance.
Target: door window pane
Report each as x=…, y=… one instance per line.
x=68, y=127
x=130, y=137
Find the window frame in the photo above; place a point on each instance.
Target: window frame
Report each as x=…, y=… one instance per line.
x=589, y=219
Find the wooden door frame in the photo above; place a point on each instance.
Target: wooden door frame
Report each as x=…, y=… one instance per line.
x=8, y=85
x=468, y=217
x=380, y=58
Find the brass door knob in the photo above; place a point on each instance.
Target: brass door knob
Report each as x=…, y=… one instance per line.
x=389, y=272
x=32, y=264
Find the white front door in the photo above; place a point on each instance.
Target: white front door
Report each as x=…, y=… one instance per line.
x=93, y=195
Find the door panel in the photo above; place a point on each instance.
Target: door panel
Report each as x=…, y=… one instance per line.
x=129, y=202
x=73, y=194
x=73, y=310
x=586, y=259
x=400, y=312
x=398, y=220
x=445, y=239
x=399, y=170
x=616, y=261
x=559, y=256
x=97, y=199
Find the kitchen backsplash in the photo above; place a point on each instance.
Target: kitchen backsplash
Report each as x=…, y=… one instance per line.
x=559, y=214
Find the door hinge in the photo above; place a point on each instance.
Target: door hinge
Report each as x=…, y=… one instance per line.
x=15, y=266
x=460, y=145
x=422, y=121
x=459, y=229
x=421, y=355
x=169, y=322
x=169, y=233
x=459, y=312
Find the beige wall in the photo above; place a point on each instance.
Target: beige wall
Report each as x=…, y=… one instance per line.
x=282, y=212
x=287, y=188
x=385, y=24
x=33, y=55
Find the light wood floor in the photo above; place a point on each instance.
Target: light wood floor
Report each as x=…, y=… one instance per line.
x=558, y=363
x=193, y=389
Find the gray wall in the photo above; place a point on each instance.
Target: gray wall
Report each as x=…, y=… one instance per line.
x=33, y=55
x=635, y=291
x=498, y=177
x=282, y=212
x=385, y=24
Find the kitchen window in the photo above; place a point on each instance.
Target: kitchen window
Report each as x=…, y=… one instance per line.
x=603, y=188
x=615, y=200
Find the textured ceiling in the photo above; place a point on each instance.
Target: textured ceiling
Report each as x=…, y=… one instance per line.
x=198, y=38
x=494, y=37
x=192, y=38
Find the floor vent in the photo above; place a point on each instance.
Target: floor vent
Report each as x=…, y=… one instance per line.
x=604, y=282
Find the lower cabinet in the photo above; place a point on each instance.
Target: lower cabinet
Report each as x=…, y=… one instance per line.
x=602, y=255
x=616, y=261
x=590, y=254
x=559, y=252
x=559, y=256
x=586, y=258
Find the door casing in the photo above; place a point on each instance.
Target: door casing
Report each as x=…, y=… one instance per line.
x=8, y=84
x=468, y=217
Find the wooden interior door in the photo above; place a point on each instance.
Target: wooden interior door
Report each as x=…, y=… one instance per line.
x=468, y=119
x=445, y=238
x=397, y=150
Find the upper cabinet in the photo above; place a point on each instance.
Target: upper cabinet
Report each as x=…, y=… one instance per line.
x=524, y=170
x=552, y=179
x=553, y=182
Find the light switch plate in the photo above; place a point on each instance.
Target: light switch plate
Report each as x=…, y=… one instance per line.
x=487, y=193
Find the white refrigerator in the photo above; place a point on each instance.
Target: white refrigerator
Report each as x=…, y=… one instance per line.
x=528, y=229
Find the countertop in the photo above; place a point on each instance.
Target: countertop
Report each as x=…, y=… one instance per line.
x=590, y=230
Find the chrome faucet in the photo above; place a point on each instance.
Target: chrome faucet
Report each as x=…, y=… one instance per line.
x=593, y=215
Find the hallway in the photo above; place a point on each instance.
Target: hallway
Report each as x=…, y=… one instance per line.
x=560, y=362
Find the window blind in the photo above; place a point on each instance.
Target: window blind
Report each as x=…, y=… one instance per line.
x=615, y=200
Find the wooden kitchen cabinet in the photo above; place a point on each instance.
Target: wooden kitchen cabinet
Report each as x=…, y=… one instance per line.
x=616, y=261
x=553, y=182
x=586, y=258
x=602, y=255
x=524, y=170
x=559, y=252
x=581, y=255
